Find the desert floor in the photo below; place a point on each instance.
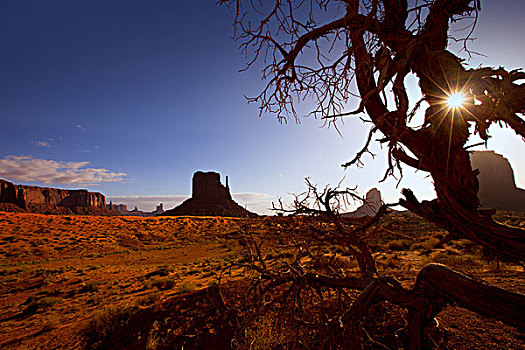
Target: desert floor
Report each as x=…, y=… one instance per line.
x=59, y=274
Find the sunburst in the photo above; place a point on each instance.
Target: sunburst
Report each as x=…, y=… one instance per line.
x=455, y=100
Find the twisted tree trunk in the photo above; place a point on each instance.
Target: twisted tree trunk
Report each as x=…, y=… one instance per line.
x=439, y=147
x=381, y=49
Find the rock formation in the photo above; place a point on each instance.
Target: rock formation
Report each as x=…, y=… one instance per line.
x=122, y=210
x=370, y=206
x=117, y=207
x=209, y=198
x=159, y=210
x=497, y=187
x=52, y=200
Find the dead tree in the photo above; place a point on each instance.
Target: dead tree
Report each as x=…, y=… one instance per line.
x=300, y=286
x=321, y=49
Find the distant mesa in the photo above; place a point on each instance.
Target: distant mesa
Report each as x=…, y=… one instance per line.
x=159, y=210
x=370, y=206
x=117, y=207
x=497, y=186
x=122, y=209
x=46, y=200
x=209, y=198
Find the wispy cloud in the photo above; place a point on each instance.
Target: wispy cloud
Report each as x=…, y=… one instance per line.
x=45, y=143
x=251, y=197
x=28, y=169
x=42, y=143
x=259, y=203
x=81, y=127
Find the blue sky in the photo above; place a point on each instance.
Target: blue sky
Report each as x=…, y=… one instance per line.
x=129, y=98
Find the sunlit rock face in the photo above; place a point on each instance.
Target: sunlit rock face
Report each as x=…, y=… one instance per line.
x=23, y=196
x=47, y=200
x=209, y=198
x=370, y=206
x=497, y=187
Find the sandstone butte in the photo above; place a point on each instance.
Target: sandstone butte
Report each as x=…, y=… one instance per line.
x=51, y=200
x=497, y=186
x=209, y=197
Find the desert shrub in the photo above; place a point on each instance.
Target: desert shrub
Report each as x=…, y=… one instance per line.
x=101, y=326
x=398, y=244
x=243, y=259
x=35, y=304
x=44, y=293
x=466, y=246
x=261, y=335
x=47, y=326
x=87, y=287
x=161, y=283
x=160, y=271
x=458, y=261
x=95, y=299
x=186, y=288
x=417, y=246
x=105, y=323
x=439, y=235
x=148, y=299
x=153, y=342
x=429, y=243
x=339, y=249
x=208, y=274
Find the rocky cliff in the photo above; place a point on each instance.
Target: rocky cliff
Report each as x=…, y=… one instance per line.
x=52, y=200
x=209, y=198
x=497, y=186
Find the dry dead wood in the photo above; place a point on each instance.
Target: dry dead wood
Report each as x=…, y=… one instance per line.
x=332, y=51
x=310, y=275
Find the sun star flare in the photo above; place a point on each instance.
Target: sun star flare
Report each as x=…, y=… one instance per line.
x=455, y=100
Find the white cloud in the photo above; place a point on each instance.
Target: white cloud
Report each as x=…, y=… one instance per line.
x=81, y=127
x=28, y=169
x=259, y=203
x=250, y=197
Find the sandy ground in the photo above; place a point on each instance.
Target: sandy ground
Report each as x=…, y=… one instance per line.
x=59, y=272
